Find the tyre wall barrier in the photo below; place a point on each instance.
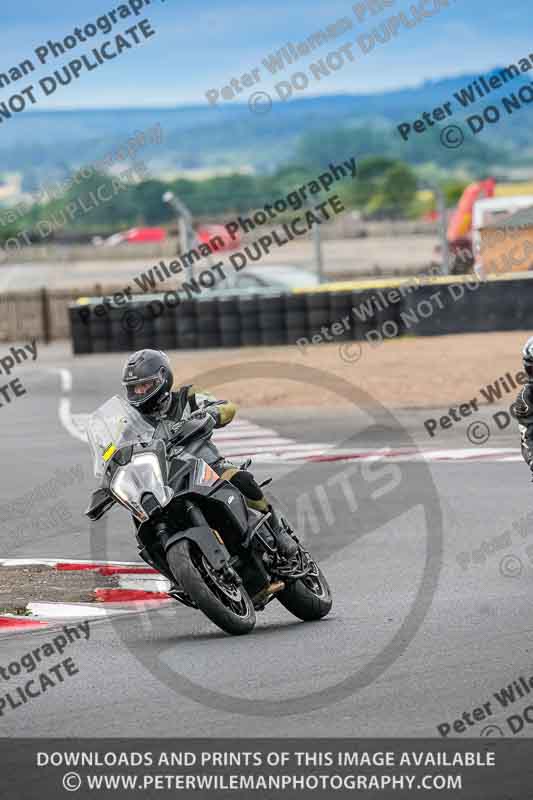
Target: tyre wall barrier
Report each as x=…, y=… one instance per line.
x=444, y=306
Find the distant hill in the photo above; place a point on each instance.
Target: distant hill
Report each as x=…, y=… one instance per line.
x=48, y=145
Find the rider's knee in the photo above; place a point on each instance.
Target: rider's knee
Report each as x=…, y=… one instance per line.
x=246, y=483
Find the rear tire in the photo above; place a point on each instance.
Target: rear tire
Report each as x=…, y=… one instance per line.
x=308, y=598
x=187, y=566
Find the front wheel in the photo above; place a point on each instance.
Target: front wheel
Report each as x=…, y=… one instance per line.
x=227, y=605
x=308, y=598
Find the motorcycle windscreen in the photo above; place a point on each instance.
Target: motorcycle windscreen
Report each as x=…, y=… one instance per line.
x=113, y=426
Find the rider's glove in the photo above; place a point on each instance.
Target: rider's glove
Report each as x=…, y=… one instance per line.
x=207, y=411
x=213, y=412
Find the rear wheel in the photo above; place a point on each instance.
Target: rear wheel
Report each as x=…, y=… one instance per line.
x=226, y=604
x=308, y=598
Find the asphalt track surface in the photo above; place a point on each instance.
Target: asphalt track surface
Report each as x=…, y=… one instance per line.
x=475, y=638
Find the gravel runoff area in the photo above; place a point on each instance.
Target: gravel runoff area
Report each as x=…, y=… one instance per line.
x=21, y=585
x=425, y=372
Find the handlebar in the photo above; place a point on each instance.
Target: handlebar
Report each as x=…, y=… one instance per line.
x=178, y=427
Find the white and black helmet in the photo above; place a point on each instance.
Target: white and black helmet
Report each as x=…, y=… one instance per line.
x=147, y=379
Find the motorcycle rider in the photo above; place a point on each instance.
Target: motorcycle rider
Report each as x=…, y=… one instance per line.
x=524, y=406
x=147, y=379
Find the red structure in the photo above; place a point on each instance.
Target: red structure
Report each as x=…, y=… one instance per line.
x=460, y=224
x=207, y=234
x=145, y=235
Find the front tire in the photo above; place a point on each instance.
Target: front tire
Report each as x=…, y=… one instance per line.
x=308, y=598
x=228, y=607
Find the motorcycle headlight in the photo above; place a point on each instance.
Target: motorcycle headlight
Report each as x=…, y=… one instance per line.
x=142, y=474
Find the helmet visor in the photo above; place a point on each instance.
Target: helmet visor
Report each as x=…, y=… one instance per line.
x=140, y=390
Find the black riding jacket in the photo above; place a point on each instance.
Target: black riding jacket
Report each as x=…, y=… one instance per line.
x=524, y=414
x=188, y=399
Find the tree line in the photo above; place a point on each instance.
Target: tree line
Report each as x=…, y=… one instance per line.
x=385, y=187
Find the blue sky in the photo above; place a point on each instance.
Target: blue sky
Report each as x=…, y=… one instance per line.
x=199, y=46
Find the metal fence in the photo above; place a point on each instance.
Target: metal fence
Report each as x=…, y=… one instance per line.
x=40, y=314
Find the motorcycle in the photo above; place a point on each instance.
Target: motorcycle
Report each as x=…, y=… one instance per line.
x=194, y=527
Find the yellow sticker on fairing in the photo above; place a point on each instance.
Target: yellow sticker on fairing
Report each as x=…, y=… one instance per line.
x=109, y=452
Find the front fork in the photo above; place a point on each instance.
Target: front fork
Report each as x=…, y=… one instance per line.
x=195, y=515
x=227, y=573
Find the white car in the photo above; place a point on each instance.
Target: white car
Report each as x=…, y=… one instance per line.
x=259, y=280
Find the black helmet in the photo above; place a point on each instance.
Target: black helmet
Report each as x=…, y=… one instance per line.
x=527, y=356
x=147, y=379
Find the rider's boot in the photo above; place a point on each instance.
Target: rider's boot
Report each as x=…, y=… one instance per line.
x=286, y=544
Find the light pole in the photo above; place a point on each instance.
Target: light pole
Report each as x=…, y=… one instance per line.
x=317, y=247
x=186, y=235
x=319, y=261
x=443, y=226
x=441, y=205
